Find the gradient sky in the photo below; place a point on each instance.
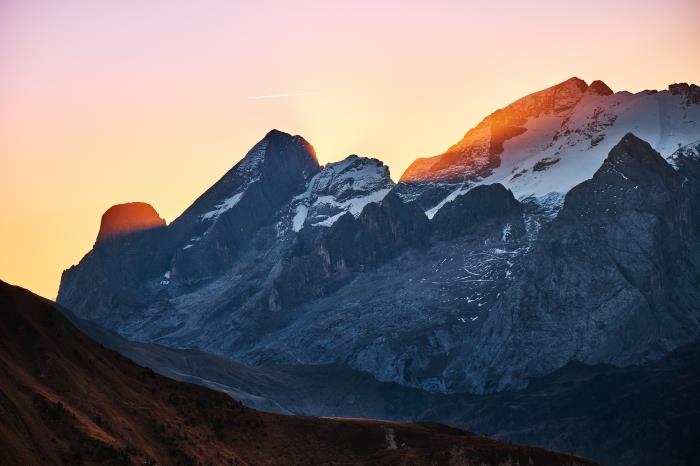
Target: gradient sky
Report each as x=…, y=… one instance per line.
x=103, y=102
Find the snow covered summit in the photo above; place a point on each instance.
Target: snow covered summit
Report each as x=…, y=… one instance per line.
x=345, y=186
x=552, y=140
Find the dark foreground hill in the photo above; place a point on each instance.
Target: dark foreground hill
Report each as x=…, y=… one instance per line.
x=65, y=399
x=638, y=415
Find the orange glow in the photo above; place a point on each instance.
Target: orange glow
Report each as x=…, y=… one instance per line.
x=127, y=218
x=479, y=148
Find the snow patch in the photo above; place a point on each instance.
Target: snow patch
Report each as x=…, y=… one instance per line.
x=352, y=205
x=507, y=230
x=329, y=221
x=227, y=204
x=299, y=217
x=450, y=197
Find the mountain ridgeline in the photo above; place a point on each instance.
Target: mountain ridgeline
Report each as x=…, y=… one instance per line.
x=563, y=228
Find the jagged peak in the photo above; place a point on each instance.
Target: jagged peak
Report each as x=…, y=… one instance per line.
x=131, y=217
x=277, y=136
x=340, y=187
x=476, y=154
x=250, y=165
x=555, y=98
x=278, y=155
x=574, y=80
x=600, y=88
x=636, y=149
x=274, y=132
x=690, y=92
x=354, y=161
x=353, y=172
x=630, y=140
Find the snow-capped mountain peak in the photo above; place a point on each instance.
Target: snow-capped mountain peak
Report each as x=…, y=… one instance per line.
x=552, y=140
x=353, y=175
x=477, y=153
x=341, y=187
x=245, y=199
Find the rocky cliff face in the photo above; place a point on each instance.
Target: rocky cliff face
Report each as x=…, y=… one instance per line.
x=323, y=260
x=689, y=92
x=286, y=261
x=612, y=279
x=208, y=238
x=686, y=161
x=488, y=211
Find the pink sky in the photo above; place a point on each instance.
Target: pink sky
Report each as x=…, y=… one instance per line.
x=107, y=102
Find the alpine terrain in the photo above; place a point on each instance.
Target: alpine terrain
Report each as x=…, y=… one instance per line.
x=562, y=231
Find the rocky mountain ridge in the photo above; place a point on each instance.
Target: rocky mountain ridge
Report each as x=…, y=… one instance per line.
x=337, y=265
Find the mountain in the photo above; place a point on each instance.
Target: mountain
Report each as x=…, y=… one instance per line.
x=68, y=400
x=636, y=415
x=613, y=278
x=341, y=187
x=552, y=140
x=590, y=258
x=479, y=150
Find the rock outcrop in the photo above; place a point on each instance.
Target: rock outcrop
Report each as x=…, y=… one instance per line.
x=123, y=219
x=486, y=211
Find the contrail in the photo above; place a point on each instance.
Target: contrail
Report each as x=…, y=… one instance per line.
x=291, y=94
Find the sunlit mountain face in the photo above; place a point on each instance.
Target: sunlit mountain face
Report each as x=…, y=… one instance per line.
x=547, y=142
x=562, y=231
x=335, y=233
x=477, y=153
x=124, y=219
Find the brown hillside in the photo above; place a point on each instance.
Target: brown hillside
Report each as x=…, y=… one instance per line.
x=64, y=399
